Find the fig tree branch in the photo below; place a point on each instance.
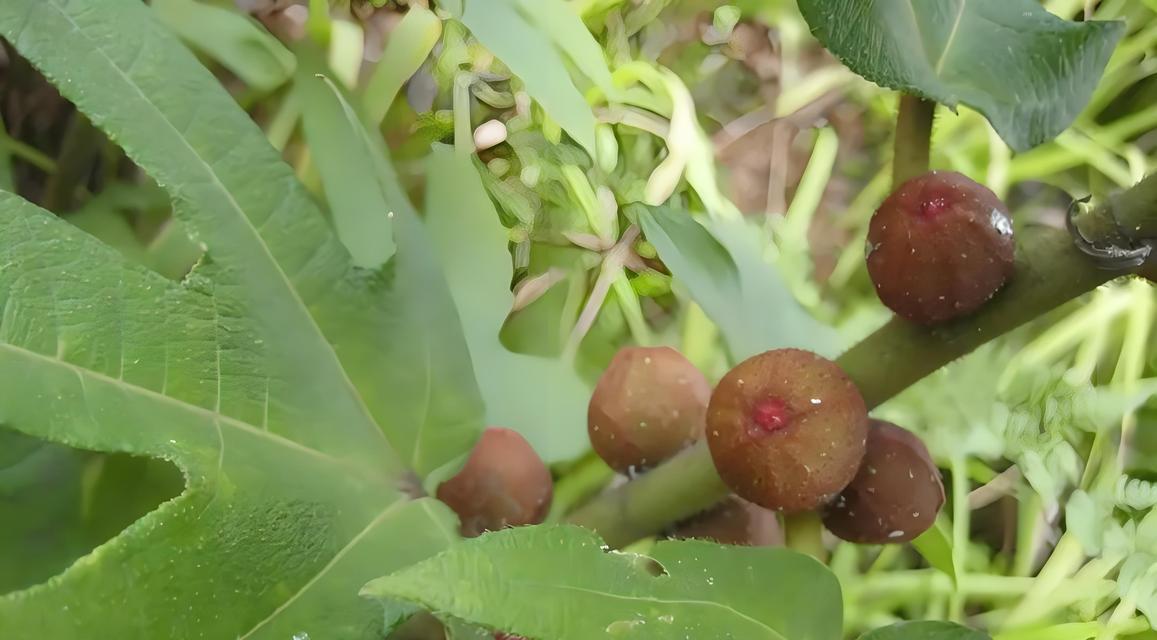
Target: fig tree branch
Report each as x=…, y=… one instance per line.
x=1050, y=271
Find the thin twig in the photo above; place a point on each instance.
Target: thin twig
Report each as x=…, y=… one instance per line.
x=1004, y=484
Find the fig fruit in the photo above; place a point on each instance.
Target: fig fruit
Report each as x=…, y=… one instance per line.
x=939, y=247
x=734, y=521
x=503, y=484
x=648, y=405
x=895, y=495
x=786, y=429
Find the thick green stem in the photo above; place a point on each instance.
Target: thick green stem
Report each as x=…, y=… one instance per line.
x=803, y=532
x=578, y=484
x=1136, y=209
x=1049, y=272
x=678, y=489
x=913, y=138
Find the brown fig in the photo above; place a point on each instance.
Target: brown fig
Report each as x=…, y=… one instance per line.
x=503, y=484
x=647, y=406
x=786, y=429
x=734, y=521
x=896, y=494
x=939, y=247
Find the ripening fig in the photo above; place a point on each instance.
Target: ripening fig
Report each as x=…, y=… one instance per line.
x=939, y=247
x=647, y=406
x=896, y=494
x=786, y=429
x=503, y=484
x=734, y=521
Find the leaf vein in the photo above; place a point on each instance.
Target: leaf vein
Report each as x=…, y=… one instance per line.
x=951, y=37
x=380, y=518
x=184, y=406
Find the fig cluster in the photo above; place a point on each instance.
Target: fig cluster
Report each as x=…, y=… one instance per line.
x=651, y=403
x=788, y=432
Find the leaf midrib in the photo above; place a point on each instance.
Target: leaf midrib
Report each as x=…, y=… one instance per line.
x=287, y=283
x=214, y=416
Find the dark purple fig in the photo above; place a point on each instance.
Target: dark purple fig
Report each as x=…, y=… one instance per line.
x=896, y=494
x=733, y=521
x=648, y=405
x=786, y=429
x=503, y=484
x=939, y=247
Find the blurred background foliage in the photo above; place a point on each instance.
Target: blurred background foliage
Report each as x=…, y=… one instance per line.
x=732, y=111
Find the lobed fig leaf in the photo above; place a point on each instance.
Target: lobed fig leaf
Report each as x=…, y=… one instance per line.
x=258, y=376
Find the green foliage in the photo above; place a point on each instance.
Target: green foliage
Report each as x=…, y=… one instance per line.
x=936, y=547
x=291, y=463
x=536, y=39
x=1036, y=417
x=1029, y=72
x=542, y=398
x=434, y=399
x=59, y=503
x=410, y=43
x=235, y=41
x=169, y=253
x=510, y=581
x=275, y=380
x=1129, y=546
x=925, y=631
x=721, y=264
x=360, y=213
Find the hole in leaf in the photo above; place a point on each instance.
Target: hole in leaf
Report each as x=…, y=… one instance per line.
x=58, y=503
x=643, y=563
